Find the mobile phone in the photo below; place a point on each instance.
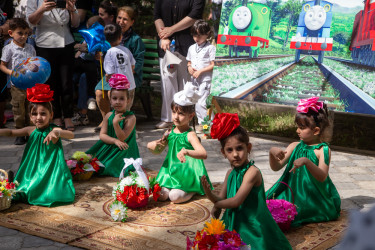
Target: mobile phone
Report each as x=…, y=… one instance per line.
x=61, y=4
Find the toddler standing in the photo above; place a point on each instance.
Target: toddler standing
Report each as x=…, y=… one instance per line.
x=242, y=194
x=13, y=53
x=201, y=57
x=307, y=167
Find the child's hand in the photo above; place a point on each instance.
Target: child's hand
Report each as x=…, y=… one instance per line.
x=181, y=155
x=107, y=77
x=277, y=153
x=298, y=163
x=197, y=73
x=118, y=117
x=191, y=70
x=207, y=189
x=216, y=212
x=121, y=145
x=53, y=136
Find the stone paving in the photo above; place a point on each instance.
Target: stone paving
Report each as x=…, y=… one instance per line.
x=353, y=174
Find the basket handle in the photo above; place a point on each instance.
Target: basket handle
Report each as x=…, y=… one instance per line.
x=4, y=173
x=287, y=186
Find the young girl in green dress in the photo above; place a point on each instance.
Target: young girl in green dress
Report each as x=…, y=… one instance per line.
x=307, y=168
x=242, y=194
x=117, y=135
x=44, y=177
x=180, y=174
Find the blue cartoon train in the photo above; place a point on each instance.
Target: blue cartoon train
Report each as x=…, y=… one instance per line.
x=248, y=29
x=313, y=30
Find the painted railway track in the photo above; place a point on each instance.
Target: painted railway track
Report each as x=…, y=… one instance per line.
x=292, y=82
x=351, y=62
x=219, y=61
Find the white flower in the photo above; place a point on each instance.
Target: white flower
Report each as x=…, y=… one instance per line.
x=139, y=182
x=1, y=194
x=118, y=211
x=127, y=181
x=114, y=190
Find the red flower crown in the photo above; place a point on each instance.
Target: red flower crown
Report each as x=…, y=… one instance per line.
x=39, y=93
x=223, y=125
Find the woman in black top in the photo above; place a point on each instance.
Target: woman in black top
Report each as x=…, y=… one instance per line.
x=173, y=19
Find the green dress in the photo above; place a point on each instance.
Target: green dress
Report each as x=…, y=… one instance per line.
x=252, y=219
x=176, y=175
x=110, y=155
x=44, y=177
x=316, y=201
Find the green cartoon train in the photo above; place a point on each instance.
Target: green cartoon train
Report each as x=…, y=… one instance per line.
x=247, y=30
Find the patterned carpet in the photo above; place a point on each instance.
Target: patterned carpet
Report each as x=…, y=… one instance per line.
x=160, y=225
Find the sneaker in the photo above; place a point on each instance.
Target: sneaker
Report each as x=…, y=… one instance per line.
x=80, y=119
x=21, y=140
x=163, y=125
x=91, y=104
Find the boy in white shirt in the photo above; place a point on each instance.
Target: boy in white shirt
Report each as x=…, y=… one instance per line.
x=119, y=59
x=13, y=53
x=201, y=57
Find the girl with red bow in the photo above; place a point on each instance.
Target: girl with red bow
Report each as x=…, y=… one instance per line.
x=307, y=166
x=242, y=194
x=44, y=177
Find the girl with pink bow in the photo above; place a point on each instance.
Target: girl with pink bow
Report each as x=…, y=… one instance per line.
x=117, y=135
x=307, y=165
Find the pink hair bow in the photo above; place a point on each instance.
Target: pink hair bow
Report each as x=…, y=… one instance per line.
x=311, y=103
x=119, y=81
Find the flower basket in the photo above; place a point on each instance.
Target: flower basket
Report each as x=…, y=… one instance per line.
x=282, y=211
x=215, y=236
x=7, y=190
x=134, y=190
x=82, y=166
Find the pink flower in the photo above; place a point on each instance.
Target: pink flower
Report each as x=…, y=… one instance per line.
x=311, y=103
x=282, y=211
x=119, y=81
x=71, y=163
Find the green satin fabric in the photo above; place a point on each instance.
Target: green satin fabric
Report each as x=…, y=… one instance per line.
x=176, y=175
x=110, y=155
x=44, y=177
x=316, y=201
x=252, y=219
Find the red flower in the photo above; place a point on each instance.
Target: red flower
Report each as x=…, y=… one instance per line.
x=223, y=124
x=208, y=242
x=39, y=93
x=156, y=192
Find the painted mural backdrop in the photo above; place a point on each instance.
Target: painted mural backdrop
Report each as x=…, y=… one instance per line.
x=279, y=51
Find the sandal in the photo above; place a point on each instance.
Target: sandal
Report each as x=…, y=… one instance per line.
x=69, y=124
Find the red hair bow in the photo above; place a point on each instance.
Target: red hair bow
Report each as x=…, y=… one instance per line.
x=39, y=93
x=223, y=125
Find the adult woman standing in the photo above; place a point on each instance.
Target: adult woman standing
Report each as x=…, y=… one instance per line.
x=173, y=20
x=126, y=16
x=55, y=43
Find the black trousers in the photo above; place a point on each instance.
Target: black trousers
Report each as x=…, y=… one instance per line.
x=90, y=69
x=61, y=79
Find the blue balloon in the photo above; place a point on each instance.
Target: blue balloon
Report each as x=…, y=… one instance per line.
x=30, y=71
x=95, y=38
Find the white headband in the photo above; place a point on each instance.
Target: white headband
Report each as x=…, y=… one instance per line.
x=188, y=96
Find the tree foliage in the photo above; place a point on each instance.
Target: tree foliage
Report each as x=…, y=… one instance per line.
x=291, y=10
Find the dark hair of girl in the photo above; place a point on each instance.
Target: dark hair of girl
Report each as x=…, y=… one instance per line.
x=109, y=8
x=239, y=133
x=184, y=109
x=126, y=92
x=201, y=27
x=319, y=119
x=34, y=105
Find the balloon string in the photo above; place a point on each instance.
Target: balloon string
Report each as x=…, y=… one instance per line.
x=101, y=73
x=5, y=85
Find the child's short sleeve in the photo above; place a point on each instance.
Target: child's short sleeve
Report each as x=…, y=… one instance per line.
x=188, y=57
x=6, y=55
x=212, y=52
x=109, y=62
x=326, y=154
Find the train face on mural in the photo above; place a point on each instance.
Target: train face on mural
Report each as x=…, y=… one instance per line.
x=247, y=30
x=313, y=31
x=363, y=35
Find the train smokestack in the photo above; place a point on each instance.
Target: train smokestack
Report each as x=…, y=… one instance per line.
x=317, y=2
